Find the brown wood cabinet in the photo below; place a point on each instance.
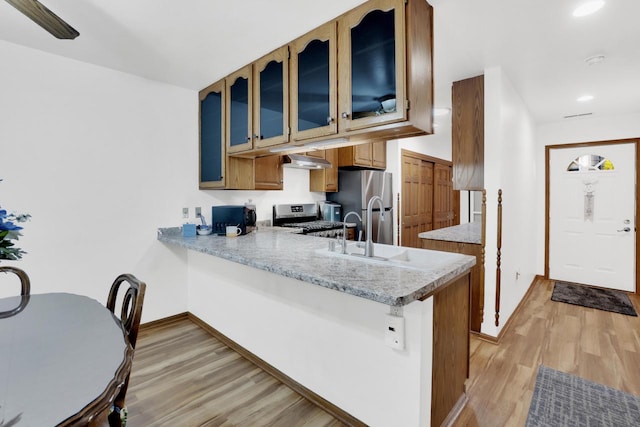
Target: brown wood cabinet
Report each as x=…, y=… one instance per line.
x=240, y=174
x=450, y=366
x=477, y=287
x=370, y=155
x=468, y=133
x=351, y=233
x=325, y=180
x=271, y=99
x=371, y=38
x=314, y=97
x=268, y=173
x=238, y=111
x=326, y=91
x=212, y=161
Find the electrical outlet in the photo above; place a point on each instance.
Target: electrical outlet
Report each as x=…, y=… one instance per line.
x=394, y=331
x=198, y=211
x=185, y=213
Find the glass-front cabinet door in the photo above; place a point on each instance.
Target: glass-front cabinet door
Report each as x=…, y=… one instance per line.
x=271, y=99
x=313, y=84
x=239, y=109
x=212, y=134
x=372, y=65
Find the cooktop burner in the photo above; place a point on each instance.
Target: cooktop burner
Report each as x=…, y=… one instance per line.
x=305, y=217
x=314, y=225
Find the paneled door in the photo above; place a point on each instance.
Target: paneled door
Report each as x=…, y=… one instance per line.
x=428, y=199
x=443, y=195
x=592, y=200
x=417, y=199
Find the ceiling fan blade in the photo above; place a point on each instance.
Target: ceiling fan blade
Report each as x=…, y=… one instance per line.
x=42, y=16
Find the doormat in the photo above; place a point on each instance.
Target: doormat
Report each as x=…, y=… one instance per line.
x=601, y=299
x=561, y=399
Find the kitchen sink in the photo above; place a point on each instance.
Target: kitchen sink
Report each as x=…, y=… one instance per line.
x=398, y=256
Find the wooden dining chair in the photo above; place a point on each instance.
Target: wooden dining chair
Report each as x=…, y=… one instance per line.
x=130, y=314
x=24, y=279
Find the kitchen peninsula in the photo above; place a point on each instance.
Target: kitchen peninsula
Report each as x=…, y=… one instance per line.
x=463, y=239
x=321, y=320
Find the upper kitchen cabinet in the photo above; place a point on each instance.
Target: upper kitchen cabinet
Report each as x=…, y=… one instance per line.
x=239, y=86
x=271, y=99
x=371, y=63
x=371, y=155
x=385, y=67
x=268, y=173
x=325, y=180
x=467, y=139
x=212, y=136
x=314, y=84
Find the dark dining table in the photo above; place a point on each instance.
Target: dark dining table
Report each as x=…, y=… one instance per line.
x=63, y=358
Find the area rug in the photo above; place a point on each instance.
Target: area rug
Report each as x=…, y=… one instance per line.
x=561, y=399
x=602, y=299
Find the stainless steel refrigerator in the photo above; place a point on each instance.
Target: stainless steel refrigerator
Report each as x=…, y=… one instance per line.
x=357, y=187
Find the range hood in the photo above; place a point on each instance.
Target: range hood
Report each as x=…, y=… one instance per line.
x=305, y=162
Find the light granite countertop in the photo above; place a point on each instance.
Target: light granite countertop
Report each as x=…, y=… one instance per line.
x=463, y=233
x=293, y=255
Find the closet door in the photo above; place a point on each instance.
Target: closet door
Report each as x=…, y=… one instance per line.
x=443, y=200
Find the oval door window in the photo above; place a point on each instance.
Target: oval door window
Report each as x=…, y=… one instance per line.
x=590, y=162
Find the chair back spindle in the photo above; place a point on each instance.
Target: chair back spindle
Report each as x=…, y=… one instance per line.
x=131, y=310
x=130, y=314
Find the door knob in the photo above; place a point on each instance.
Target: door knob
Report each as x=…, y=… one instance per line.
x=626, y=230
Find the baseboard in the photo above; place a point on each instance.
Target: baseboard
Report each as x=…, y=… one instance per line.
x=455, y=411
x=163, y=322
x=318, y=400
x=507, y=325
x=485, y=337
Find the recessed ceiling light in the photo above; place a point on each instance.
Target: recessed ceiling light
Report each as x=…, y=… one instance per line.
x=595, y=59
x=588, y=8
x=585, y=98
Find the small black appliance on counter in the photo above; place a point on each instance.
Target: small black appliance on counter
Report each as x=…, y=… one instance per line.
x=236, y=215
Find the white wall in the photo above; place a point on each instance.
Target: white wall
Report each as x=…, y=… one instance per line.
x=101, y=159
x=586, y=129
x=509, y=165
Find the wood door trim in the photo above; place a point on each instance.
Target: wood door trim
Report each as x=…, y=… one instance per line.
x=547, y=191
x=425, y=157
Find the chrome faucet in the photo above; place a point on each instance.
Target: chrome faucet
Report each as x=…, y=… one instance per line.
x=368, y=245
x=204, y=223
x=344, y=229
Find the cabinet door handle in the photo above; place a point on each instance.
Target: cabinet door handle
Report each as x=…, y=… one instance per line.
x=626, y=230
x=248, y=139
x=345, y=115
x=329, y=120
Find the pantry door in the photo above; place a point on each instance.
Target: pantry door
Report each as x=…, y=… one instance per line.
x=592, y=203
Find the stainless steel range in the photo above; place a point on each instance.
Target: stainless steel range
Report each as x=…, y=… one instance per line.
x=305, y=217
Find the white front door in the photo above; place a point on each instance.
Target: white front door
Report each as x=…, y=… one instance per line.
x=592, y=230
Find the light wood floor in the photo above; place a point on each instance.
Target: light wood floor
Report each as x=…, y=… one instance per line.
x=182, y=376
x=593, y=344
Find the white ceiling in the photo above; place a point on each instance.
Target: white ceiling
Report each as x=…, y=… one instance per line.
x=538, y=43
